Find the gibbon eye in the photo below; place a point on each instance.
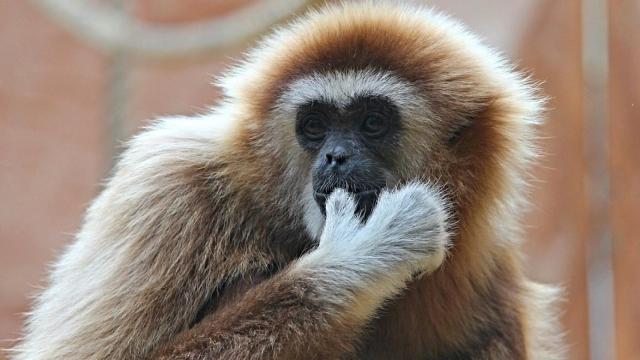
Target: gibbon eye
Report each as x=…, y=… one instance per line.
x=375, y=125
x=314, y=127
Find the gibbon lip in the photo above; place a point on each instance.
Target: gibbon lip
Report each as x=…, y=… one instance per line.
x=365, y=199
x=356, y=193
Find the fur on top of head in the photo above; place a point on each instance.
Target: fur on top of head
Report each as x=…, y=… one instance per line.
x=411, y=41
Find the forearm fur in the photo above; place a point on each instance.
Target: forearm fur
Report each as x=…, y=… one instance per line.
x=296, y=314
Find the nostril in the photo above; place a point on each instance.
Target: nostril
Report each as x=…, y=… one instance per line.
x=340, y=159
x=336, y=159
x=337, y=156
x=329, y=158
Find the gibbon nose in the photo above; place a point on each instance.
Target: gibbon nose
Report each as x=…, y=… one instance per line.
x=337, y=156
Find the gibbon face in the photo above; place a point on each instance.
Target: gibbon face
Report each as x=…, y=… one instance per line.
x=373, y=97
x=352, y=145
x=353, y=127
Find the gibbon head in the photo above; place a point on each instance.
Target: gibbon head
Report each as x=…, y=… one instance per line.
x=366, y=96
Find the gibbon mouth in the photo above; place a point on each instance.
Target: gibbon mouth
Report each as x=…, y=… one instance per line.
x=366, y=200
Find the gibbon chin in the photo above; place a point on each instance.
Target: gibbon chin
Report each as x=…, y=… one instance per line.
x=355, y=194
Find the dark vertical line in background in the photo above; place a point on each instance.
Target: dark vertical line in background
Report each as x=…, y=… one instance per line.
x=595, y=65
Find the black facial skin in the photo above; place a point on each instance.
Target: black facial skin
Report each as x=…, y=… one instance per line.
x=353, y=148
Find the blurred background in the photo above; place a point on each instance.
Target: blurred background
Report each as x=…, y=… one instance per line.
x=79, y=77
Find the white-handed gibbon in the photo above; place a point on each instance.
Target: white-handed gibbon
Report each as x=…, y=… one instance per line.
x=354, y=195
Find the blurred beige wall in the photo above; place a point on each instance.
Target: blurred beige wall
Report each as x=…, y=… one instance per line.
x=55, y=140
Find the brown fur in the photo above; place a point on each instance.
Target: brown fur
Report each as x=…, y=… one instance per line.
x=217, y=234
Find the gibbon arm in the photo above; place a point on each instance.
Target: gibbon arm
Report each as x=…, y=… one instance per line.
x=319, y=305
